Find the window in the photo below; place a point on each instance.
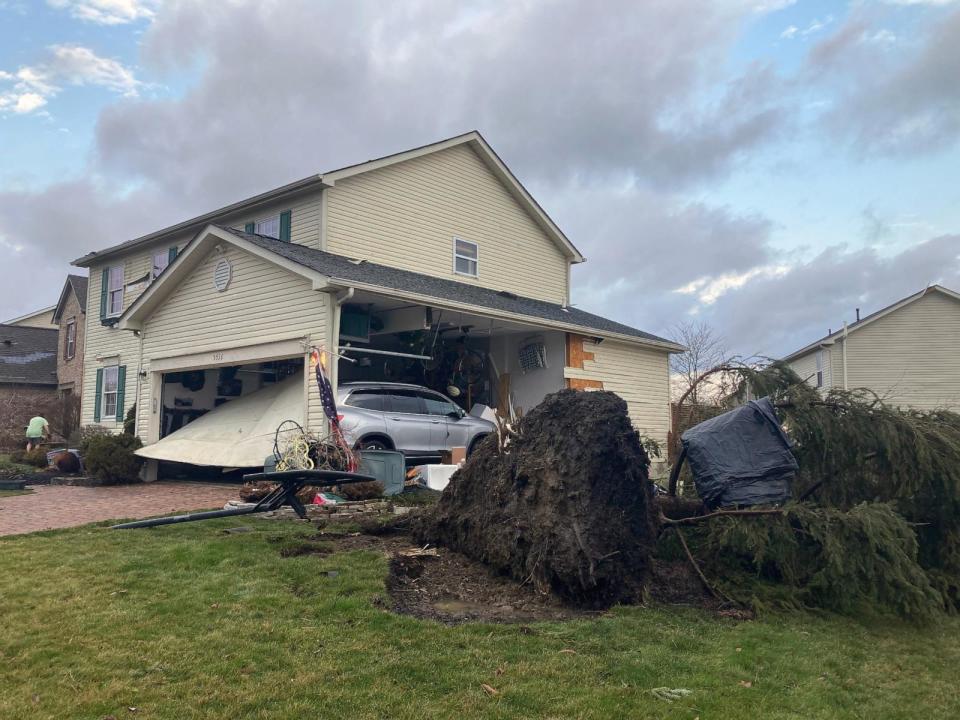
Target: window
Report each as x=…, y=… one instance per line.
x=819, y=368
x=111, y=387
x=160, y=262
x=269, y=226
x=465, y=257
x=406, y=401
x=437, y=404
x=115, y=291
x=70, y=340
x=367, y=399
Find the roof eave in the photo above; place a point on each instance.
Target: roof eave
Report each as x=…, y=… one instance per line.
x=200, y=221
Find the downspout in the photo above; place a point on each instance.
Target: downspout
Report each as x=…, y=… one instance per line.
x=844, y=354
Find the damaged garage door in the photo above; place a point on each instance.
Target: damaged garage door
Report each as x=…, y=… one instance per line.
x=236, y=434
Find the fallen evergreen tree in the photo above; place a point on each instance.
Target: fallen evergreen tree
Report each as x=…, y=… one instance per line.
x=876, y=511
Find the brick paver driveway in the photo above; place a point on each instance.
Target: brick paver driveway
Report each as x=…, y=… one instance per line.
x=57, y=506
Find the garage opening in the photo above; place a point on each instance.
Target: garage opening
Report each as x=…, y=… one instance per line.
x=191, y=394
x=401, y=360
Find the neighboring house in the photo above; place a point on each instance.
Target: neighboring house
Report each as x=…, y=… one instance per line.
x=28, y=376
x=36, y=319
x=907, y=353
x=70, y=317
x=433, y=242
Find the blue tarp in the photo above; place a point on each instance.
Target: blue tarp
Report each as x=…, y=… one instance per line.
x=741, y=457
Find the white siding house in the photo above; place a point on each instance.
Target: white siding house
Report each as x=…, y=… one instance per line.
x=907, y=353
x=439, y=237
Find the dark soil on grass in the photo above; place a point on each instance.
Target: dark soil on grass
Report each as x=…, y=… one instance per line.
x=567, y=508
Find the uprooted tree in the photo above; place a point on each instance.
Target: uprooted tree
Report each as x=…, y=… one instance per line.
x=561, y=501
x=875, y=517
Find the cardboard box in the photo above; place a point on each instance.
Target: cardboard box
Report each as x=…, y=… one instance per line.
x=457, y=455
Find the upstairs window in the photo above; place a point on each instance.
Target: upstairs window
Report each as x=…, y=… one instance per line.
x=270, y=227
x=466, y=257
x=276, y=226
x=161, y=260
x=819, y=368
x=70, y=340
x=115, y=291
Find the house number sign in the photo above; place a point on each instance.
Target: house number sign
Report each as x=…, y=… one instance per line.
x=222, y=274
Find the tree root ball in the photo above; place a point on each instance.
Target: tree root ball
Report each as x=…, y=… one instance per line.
x=566, y=506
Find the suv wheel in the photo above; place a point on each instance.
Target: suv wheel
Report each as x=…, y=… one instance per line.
x=372, y=444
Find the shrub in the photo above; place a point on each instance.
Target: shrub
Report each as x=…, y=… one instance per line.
x=130, y=421
x=110, y=457
x=36, y=457
x=80, y=436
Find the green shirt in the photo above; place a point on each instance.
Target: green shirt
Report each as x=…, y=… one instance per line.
x=36, y=427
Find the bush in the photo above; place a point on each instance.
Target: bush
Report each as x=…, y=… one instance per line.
x=130, y=421
x=110, y=457
x=36, y=457
x=80, y=436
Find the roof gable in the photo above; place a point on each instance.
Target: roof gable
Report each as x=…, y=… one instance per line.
x=873, y=317
x=77, y=284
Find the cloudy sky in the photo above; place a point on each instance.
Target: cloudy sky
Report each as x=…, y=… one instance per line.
x=763, y=165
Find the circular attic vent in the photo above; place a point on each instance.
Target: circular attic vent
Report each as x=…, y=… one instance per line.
x=222, y=274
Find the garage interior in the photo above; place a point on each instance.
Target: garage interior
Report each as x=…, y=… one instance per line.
x=475, y=361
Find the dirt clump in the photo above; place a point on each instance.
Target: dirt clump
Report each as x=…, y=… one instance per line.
x=566, y=507
x=453, y=589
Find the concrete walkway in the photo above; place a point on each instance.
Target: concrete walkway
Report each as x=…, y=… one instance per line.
x=58, y=506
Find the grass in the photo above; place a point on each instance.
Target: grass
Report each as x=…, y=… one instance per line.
x=11, y=493
x=7, y=465
x=187, y=621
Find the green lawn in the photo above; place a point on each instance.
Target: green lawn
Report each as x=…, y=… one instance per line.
x=11, y=493
x=189, y=622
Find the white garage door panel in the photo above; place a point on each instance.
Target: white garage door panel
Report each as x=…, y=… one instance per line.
x=239, y=433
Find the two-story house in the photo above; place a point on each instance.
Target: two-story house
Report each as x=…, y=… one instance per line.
x=385, y=265
x=908, y=353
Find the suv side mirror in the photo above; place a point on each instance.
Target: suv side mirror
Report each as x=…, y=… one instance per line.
x=456, y=414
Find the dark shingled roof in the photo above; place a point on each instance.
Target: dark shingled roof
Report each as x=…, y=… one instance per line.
x=339, y=267
x=28, y=355
x=78, y=283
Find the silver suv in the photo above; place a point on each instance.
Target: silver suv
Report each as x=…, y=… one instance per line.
x=410, y=418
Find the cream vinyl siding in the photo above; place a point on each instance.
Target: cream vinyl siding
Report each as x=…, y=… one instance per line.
x=263, y=303
x=638, y=375
x=116, y=347
x=406, y=216
x=910, y=357
x=304, y=217
x=806, y=367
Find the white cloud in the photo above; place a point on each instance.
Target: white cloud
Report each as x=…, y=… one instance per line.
x=938, y=3
x=814, y=27
x=767, y=6
x=31, y=87
x=108, y=12
x=709, y=289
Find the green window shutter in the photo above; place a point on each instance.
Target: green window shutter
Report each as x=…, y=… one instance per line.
x=172, y=254
x=98, y=397
x=104, y=282
x=121, y=385
x=249, y=227
x=285, y=225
